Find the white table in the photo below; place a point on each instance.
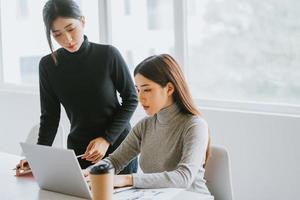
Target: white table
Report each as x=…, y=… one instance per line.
x=25, y=188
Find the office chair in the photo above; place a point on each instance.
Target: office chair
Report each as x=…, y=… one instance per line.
x=218, y=174
x=32, y=136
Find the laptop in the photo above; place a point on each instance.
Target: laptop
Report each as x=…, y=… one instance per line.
x=56, y=170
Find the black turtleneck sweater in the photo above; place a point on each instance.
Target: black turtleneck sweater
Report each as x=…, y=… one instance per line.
x=85, y=83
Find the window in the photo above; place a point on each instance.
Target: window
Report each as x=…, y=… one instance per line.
x=23, y=38
x=231, y=50
x=146, y=30
x=244, y=50
x=127, y=7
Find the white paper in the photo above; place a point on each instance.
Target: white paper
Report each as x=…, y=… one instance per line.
x=147, y=194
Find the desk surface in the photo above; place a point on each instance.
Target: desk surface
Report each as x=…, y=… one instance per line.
x=12, y=187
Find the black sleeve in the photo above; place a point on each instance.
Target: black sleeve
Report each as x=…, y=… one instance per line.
x=50, y=109
x=123, y=83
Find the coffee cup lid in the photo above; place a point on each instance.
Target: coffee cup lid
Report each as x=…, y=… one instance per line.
x=101, y=169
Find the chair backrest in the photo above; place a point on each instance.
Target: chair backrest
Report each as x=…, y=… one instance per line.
x=32, y=136
x=218, y=174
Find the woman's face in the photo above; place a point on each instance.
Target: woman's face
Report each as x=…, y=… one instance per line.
x=152, y=96
x=68, y=32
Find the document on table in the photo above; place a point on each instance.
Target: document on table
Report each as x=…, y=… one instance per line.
x=147, y=194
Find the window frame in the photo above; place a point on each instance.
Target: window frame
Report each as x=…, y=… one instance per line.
x=180, y=31
x=1, y=58
x=181, y=54
x=276, y=109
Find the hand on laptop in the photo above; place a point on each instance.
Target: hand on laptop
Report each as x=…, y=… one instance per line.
x=23, y=168
x=85, y=173
x=86, y=176
x=96, y=150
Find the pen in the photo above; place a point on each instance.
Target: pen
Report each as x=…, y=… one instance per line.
x=16, y=168
x=79, y=156
x=19, y=168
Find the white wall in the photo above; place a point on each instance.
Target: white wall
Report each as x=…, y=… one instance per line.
x=263, y=148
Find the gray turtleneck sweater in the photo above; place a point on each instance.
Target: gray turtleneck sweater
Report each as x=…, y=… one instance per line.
x=172, y=148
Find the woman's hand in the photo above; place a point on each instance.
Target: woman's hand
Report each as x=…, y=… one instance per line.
x=85, y=173
x=96, y=150
x=23, y=168
x=22, y=164
x=86, y=176
x=123, y=180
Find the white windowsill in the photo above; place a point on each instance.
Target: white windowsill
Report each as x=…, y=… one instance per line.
x=13, y=88
x=211, y=104
x=250, y=107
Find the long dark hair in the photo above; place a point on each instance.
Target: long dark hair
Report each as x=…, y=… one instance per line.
x=163, y=69
x=58, y=8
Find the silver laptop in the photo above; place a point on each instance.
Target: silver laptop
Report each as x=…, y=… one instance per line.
x=56, y=170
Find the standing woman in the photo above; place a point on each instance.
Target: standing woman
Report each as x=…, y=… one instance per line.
x=84, y=78
x=173, y=142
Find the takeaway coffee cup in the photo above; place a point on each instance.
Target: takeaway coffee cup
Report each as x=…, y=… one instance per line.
x=101, y=178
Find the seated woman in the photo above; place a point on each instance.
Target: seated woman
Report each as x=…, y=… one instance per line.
x=173, y=141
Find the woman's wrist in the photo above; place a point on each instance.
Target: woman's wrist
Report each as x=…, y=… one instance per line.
x=123, y=180
x=129, y=180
